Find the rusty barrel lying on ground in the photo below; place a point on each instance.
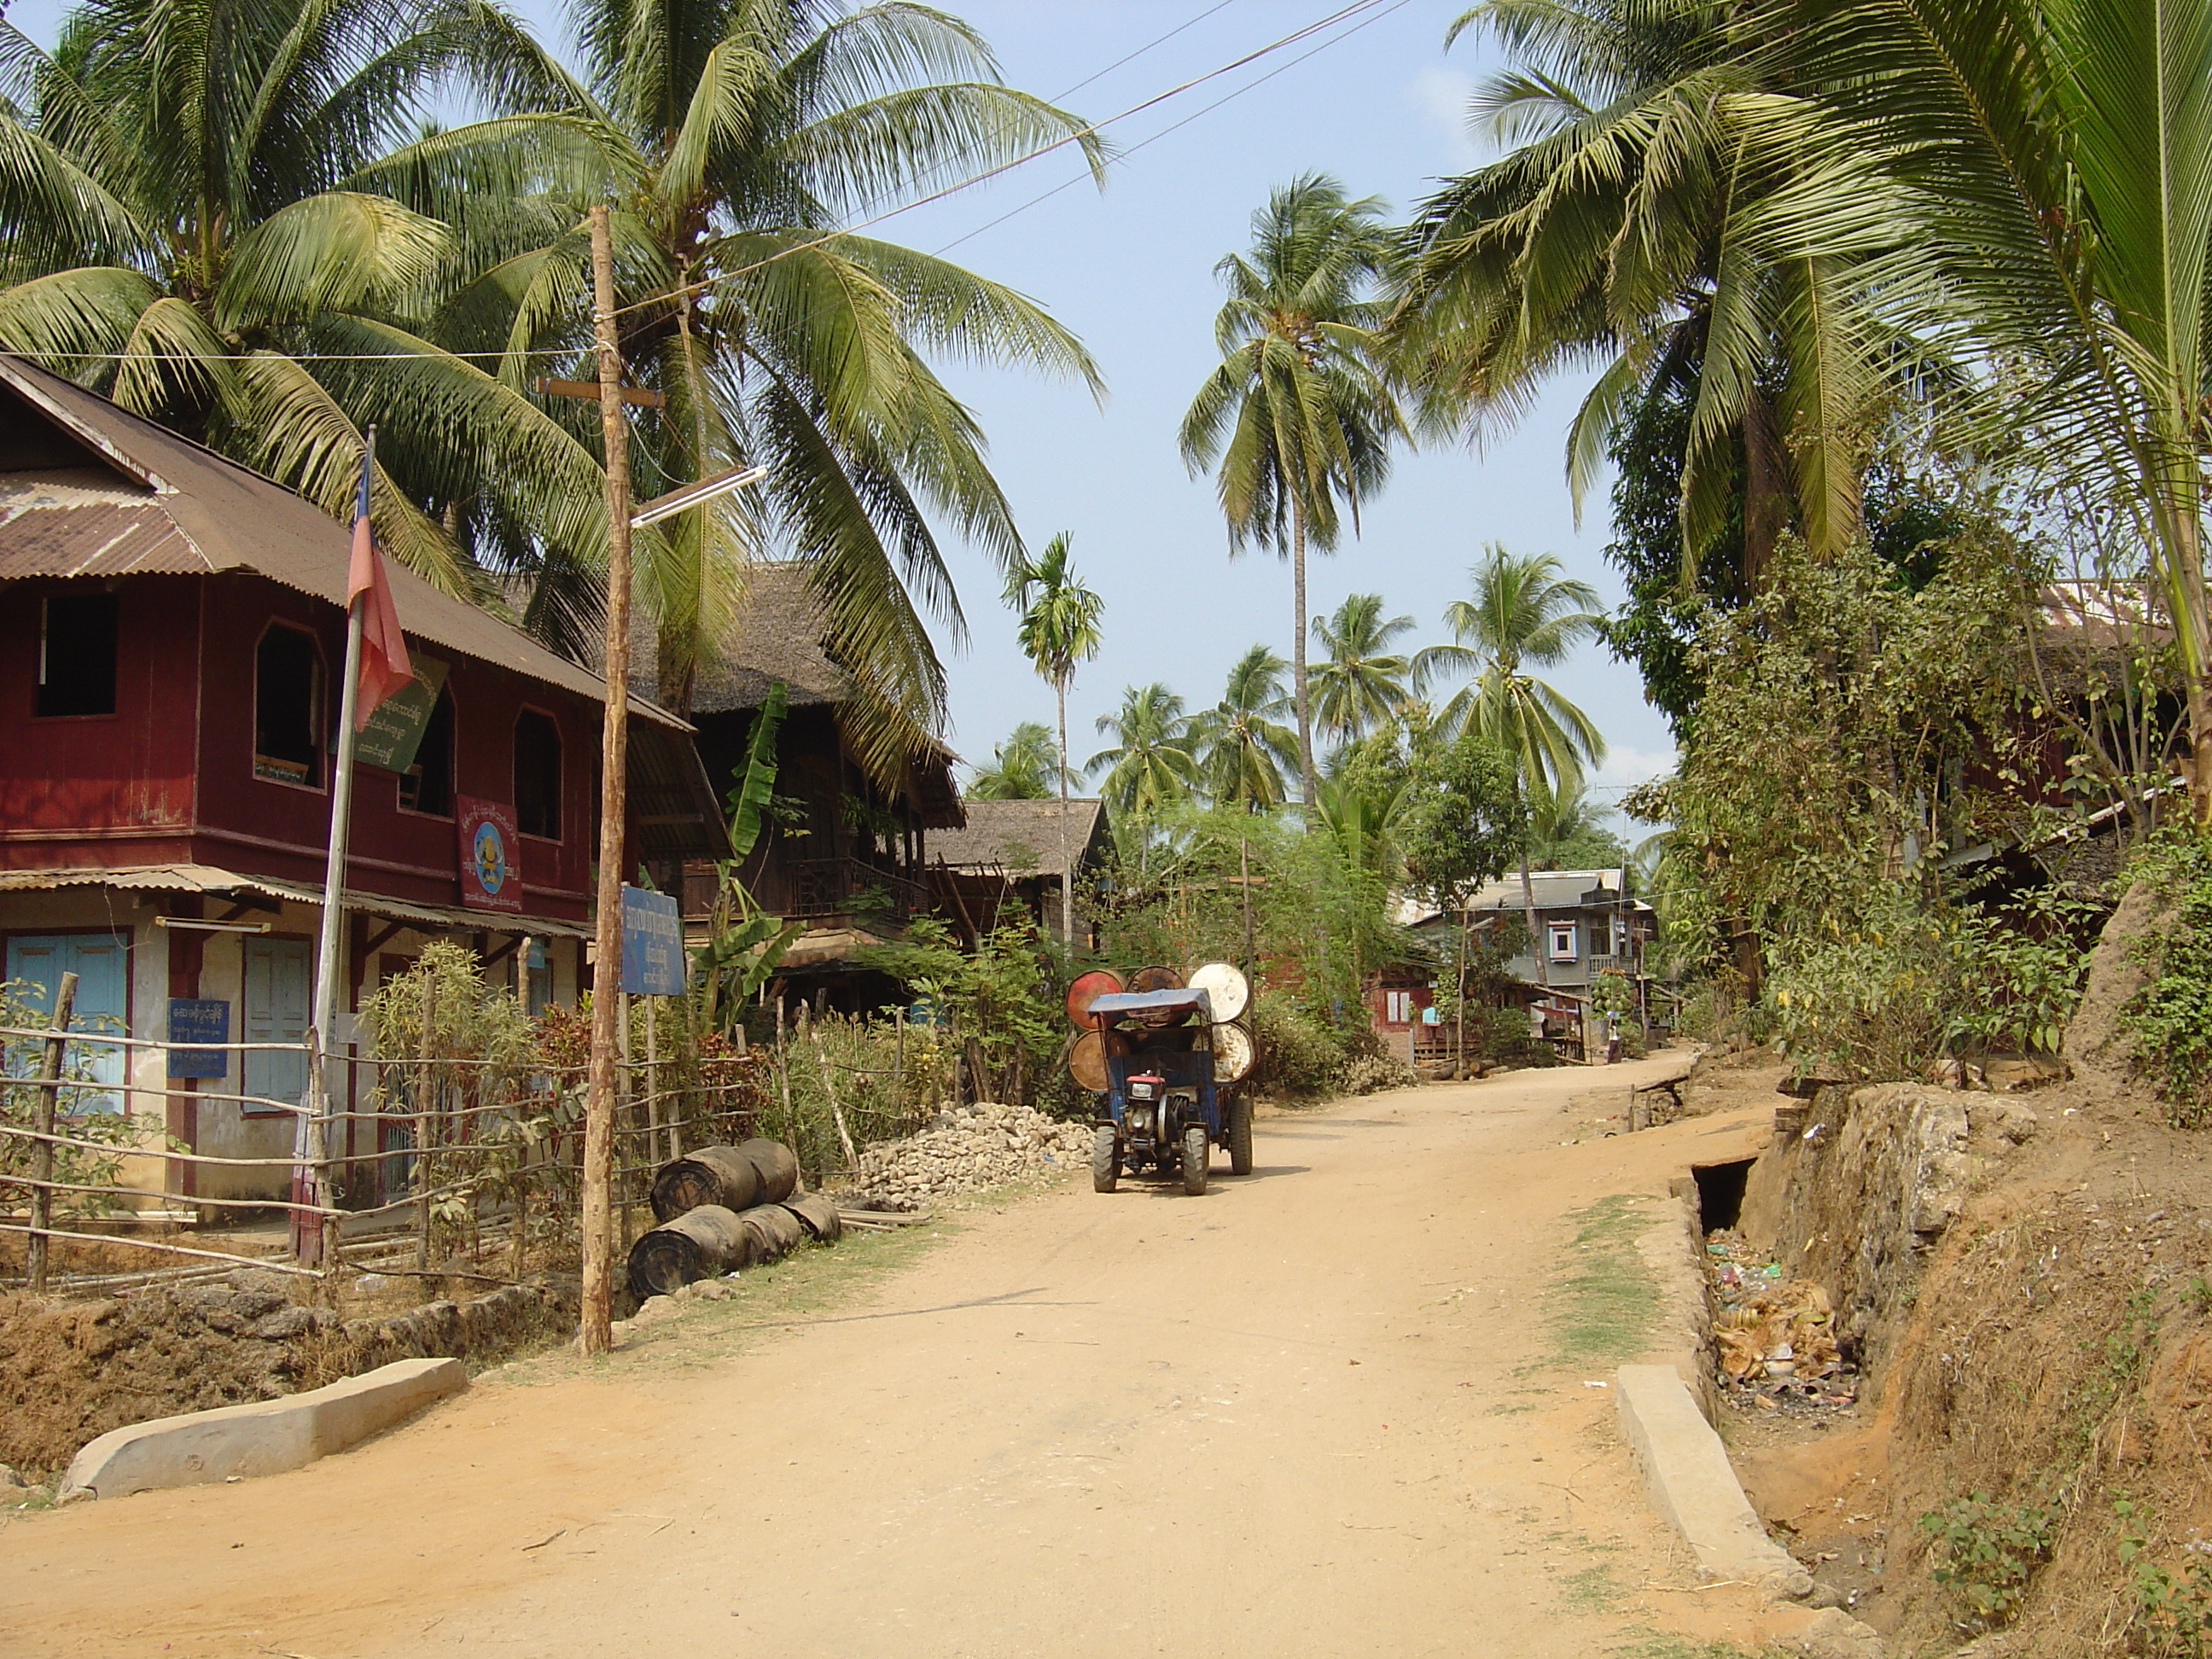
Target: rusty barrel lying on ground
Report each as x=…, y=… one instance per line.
x=818, y=1213
x=778, y=1169
x=734, y=1177
x=704, y=1242
x=713, y=1176
x=775, y=1230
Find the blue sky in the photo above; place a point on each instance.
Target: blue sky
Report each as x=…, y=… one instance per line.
x=1131, y=271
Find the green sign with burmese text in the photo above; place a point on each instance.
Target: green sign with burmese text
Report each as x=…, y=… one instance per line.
x=395, y=730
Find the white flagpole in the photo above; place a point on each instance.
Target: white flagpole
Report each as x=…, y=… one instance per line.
x=308, y=1146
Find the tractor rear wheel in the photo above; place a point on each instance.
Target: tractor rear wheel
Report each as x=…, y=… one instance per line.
x=1105, y=1158
x=1240, y=1135
x=1195, y=1152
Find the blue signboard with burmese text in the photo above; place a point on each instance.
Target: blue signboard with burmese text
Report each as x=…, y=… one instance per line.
x=198, y=1019
x=652, y=943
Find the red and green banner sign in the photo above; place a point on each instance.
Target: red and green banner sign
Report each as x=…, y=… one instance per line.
x=491, y=877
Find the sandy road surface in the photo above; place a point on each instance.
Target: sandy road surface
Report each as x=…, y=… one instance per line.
x=1311, y=1414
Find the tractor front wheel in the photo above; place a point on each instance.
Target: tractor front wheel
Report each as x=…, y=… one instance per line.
x=1105, y=1159
x=1195, y=1152
x=1240, y=1135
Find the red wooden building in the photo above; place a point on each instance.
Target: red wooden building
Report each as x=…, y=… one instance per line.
x=171, y=628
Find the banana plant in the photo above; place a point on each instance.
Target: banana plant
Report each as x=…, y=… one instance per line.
x=744, y=943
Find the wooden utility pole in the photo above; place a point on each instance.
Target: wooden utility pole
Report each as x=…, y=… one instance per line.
x=597, y=1334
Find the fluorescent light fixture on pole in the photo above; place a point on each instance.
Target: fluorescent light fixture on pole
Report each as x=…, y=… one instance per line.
x=662, y=507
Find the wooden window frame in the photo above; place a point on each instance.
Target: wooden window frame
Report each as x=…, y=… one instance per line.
x=560, y=800
x=316, y=718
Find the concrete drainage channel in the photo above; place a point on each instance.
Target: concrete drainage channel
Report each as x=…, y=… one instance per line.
x=268, y=1437
x=1665, y=1416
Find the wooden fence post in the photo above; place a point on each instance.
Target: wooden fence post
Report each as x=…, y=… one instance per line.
x=42, y=1149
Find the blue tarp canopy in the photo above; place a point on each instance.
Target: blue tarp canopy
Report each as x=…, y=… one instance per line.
x=1152, y=1002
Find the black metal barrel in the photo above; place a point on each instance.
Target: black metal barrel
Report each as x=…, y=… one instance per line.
x=703, y=1243
x=777, y=1168
x=726, y=1175
x=775, y=1231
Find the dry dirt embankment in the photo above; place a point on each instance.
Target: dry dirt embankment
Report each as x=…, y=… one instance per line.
x=2022, y=1279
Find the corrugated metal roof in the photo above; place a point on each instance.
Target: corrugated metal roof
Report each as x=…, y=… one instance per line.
x=179, y=507
x=208, y=878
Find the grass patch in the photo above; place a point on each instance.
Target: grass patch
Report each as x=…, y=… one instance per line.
x=1676, y=1647
x=1591, y=1590
x=1604, y=1309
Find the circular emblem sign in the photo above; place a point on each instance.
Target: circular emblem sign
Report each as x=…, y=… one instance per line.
x=489, y=854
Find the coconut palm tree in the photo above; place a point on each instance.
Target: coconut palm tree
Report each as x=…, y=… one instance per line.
x=1360, y=683
x=2055, y=162
x=194, y=227
x=1656, y=214
x=1058, y=630
x=1149, y=765
x=1525, y=614
x=1297, y=418
x=1021, y=768
x=738, y=135
x=1243, y=747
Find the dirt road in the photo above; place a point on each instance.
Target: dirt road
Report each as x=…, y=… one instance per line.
x=1340, y=1407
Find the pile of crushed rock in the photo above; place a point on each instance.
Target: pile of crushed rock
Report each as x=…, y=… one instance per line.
x=966, y=1149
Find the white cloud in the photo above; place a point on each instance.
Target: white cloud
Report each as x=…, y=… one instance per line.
x=1440, y=93
x=1627, y=766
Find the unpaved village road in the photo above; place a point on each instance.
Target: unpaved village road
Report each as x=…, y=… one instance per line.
x=1319, y=1412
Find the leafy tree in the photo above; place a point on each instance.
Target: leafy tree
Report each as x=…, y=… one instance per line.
x=1470, y=823
x=1243, y=746
x=1361, y=683
x=1150, y=766
x=1058, y=630
x=1905, y=520
x=1021, y=768
x=1298, y=417
x=195, y=228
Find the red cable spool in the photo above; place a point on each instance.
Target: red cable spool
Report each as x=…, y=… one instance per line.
x=1158, y=979
x=1087, y=989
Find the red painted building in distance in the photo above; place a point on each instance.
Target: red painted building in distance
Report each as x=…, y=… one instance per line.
x=172, y=626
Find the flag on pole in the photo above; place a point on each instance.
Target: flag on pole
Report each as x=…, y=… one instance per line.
x=385, y=669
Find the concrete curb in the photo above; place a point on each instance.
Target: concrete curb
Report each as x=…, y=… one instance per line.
x=266, y=1438
x=1687, y=1476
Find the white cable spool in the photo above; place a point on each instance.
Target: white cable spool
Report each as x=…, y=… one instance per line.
x=1226, y=989
x=1234, y=1052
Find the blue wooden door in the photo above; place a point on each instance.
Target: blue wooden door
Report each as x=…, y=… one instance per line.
x=273, y=1008
x=101, y=963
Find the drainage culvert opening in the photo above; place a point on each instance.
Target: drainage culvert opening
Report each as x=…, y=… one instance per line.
x=1719, y=1193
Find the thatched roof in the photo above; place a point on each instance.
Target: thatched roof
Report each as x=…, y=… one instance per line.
x=1020, y=835
x=777, y=636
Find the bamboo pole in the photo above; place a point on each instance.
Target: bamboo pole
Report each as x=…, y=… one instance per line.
x=424, y=1039
x=42, y=1150
x=837, y=1113
x=596, y=1335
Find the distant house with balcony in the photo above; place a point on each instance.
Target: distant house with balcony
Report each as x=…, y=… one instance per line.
x=1586, y=924
x=848, y=857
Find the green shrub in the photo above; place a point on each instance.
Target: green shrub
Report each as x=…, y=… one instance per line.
x=1988, y=1554
x=2170, y=1020
x=2172, y=1610
x=1300, y=1057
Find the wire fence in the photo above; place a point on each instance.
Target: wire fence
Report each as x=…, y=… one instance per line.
x=114, y=1172
x=106, y=1155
